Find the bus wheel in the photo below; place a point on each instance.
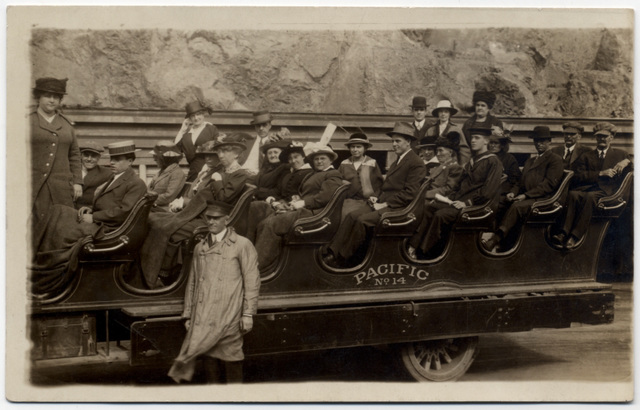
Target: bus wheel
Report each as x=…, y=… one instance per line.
x=439, y=360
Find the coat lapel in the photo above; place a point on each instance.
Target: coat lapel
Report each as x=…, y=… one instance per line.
x=55, y=125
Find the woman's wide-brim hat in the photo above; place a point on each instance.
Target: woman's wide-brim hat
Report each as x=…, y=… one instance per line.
x=281, y=145
x=403, y=129
x=236, y=140
x=293, y=147
x=261, y=117
x=313, y=149
x=358, y=138
x=427, y=143
x=122, y=148
x=451, y=141
x=208, y=148
x=51, y=85
x=91, y=146
x=195, y=107
x=444, y=105
x=166, y=149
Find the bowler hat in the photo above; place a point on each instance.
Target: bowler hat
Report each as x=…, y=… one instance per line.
x=486, y=96
x=294, y=146
x=403, y=129
x=313, y=149
x=195, y=107
x=166, y=149
x=572, y=127
x=444, y=104
x=91, y=146
x=261, y=117
x=280, y=144
x=218, y=208
x=358, y=138
x=484, y=131
x=451, y=141
x=604, y=128
x=234, y=140
x=207, y=148
x=51, y=85
x=541, y=131
x=122, y=148
x=419, y=102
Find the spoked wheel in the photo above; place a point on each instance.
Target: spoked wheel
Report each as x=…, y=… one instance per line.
x=439, y=360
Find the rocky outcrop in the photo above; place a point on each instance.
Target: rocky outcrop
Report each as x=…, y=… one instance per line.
x=534, y=72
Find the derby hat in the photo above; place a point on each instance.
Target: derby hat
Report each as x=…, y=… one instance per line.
x=122, y=148
x=358, y=138
x=236, y=140
x=91, y=146
x=541, y=132
x=604, y=128
x=281, y=145
x=195, y=107
x=487, y=96
x=218, y=208
x=294, y=146
x=572, y=127
x=484, y=131
x=451, y=141
x=166, y=149
x=51, y=85
x=313, y=149
x=444, y=105
x=261, y=117
x=419, y=102
x=403, y=129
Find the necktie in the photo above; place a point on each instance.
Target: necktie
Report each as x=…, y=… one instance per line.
x=566, y=153
x=601, y=155
x=211, y=239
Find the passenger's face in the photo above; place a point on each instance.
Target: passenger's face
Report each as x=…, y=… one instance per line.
x=444, y=115
x=321, y=162
x=216, y=224
x=482, y=109
x=570, y=139
x=494, y=146
x=444, y=154
x=49, y=102
x=90, y=159
x=197, y=119
x=479, y=142
x=273, y=155
x=119, y=163
x=227, y=156
x=603, y=141
x=356, y=150
x=419, y=113
x=296, y=160
x=158, y=160
x=211, y=160
x=426, y=154
x=400, y=145
x=263, y=129
x=541, y=144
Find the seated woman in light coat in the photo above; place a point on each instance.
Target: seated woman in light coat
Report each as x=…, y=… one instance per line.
x=170, y=180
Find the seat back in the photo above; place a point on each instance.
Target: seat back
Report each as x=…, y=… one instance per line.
x=321, y=227
x=478, y=217
x=546, y=210
x=122, y=243
x=612, y=206
x=403, y=221
x=238, y=216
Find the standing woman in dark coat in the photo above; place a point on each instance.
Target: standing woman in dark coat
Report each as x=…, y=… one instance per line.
x=56, y=170
x=195, y=131
x=483, y=103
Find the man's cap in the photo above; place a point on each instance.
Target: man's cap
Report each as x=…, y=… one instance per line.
x=91, y=146
x=218, y=208
x=604, y=128
x=572, y=127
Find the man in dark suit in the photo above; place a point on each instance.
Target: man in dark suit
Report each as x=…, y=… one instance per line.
x=572, y=149
x=114, y=200
x=540, y=178
x=599, y=173
x=93, y=174
x=420, y=124
x=398, y=189
x=253, y=157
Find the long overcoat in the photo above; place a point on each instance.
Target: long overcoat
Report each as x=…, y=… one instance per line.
x=168, y=184
x=223, y=284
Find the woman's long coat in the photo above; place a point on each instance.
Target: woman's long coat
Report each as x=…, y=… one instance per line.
x=168, y=184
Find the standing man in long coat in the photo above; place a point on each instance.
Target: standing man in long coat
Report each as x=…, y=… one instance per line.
x=220, y=301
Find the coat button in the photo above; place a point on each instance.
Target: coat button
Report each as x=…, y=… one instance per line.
x=51, y=154
x=44, y=175
x=54, y=134
x=53, y=144
x=47, y=164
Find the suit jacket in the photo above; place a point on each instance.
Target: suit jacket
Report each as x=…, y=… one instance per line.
x=318, y=187
x=168, y=184
x=55, y=159
x=444, y=179
x=403, y=181
x=511, y=169
x=464, y=153
x=575, y=154
x=540, y=176
x=94, y=178
x=112, y=203
x=587, y=168
x=481, y=180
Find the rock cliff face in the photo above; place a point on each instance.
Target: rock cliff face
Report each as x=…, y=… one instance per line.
x=586, y=73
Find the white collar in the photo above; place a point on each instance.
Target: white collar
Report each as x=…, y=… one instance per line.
x=403, y=155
